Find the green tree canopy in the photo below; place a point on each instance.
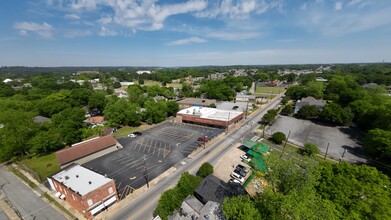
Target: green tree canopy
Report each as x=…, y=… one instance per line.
x=205, y=170
x=278, y=137
x=378, y=143
x=240, y=208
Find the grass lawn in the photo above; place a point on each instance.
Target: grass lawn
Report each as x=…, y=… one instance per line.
x=264, y=89
x=148, y=83
x=124, y=131
x=43, y=166
x=174, y=85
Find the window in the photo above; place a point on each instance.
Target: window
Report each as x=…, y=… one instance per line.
x=89, y=202
x=111, y=190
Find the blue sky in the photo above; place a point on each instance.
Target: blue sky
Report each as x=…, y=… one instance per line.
x=193, y=32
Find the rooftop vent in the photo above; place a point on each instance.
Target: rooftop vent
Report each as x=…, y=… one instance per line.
x=89, y=182
x=77, y=176
x=67, y=177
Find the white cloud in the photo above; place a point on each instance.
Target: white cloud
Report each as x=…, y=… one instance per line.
x=72, y=16
x=338, y=6
x=43, y=30
x=233, y=36
x=104, y=32
x=187, y=41
x=105, y=20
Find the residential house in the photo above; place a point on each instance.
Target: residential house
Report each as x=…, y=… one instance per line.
x=309, y=101
x=192, y=209
x=85, y=190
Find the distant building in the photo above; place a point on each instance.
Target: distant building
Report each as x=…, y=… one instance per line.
x=320, y=79
x=86, y=191
x=370, y=85
x=240, y=97
x=209, y=116
x=309, y=101
x=140, y=72
x=7, y=80
x=87, y=150
x=188, y=102
x=127, y=83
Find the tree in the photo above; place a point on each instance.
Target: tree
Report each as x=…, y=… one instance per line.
x=308, y=112
x=45, y=142
x=121, y=112
x=6, y=90
x=240, y=208
x=205, y=170
x=69, y=123
x=116, y=85
x=97, y=100
x=269, y=117
x=141, y=82
x=287, y=110
x=358, y=192
x=334, y=113
x=155, y=112
x=309, y=149
x=278, y=138
x=187, y=90
x=172, y=108
x=188, y=183
x=378, y=143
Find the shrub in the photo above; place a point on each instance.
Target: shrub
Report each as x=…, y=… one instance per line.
x=309, y=149
x=278, y=138
x=205, y=170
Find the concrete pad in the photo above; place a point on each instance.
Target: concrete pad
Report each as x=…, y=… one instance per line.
x=226, y=165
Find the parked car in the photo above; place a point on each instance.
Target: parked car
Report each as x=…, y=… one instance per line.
x=244, y=157
x=234, y=181
x=240, y=166
x=240, y=172
x=237, y=177
x=203, y=139
x=132, y=135
x=138, y=133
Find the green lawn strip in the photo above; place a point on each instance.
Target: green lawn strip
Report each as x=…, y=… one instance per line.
x=43, y=165
x=58, y=205
x=124, y=131
x=265, y=89
x=24, y=178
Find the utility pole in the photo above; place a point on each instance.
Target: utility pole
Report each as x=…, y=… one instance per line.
x=229, y=113
x=343, y=154
x=248, y=99
x=286, y=140
x=146, y=171
x=327, y=150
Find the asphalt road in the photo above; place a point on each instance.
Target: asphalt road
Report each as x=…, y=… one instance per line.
x=24, y=200
x=143, y=206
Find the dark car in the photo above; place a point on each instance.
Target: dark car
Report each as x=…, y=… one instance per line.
x=241, y=167
x=138, y=133
x=240, y=172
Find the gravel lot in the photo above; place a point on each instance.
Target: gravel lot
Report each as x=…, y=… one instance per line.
x=304, y=131
x=226, y=165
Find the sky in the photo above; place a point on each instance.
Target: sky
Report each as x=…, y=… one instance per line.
x=172, y=33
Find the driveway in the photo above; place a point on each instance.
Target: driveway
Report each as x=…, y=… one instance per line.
x=304, y=131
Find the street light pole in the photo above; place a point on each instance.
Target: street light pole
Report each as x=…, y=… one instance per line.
x=146, y=171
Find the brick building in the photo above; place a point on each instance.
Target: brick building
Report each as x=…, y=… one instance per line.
x=209, y=116
x=86, y=191
x=87, y=150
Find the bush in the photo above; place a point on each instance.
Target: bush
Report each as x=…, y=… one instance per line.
x=205, y=170
x=278, y=138
x=309, y=149
x=287, y=110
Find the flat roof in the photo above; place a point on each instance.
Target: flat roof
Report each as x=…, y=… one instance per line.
x=210, y=113
x=81, y=179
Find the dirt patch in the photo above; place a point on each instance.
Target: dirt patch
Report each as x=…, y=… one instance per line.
x=257, y=185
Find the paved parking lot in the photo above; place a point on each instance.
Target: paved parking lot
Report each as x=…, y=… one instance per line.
x=226, y=165
x=156, y=150
x=304, y=131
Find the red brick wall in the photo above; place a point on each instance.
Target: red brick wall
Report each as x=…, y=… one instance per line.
x=80, y=203
x=210, y=121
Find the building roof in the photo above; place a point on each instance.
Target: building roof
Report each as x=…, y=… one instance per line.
x=311, y=101
x=80, y=179
x=210, y=113
x=213, y=189
x=197, y=101
x=41, y=119
x=96, y=119
x=84, y=148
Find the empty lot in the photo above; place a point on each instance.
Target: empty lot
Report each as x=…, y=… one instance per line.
x=156, y=150
x=304, y=131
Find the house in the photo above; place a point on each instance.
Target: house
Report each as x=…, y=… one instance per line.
x=126, y=83
x=140, y=72
x=85, y=190
x=309, y=101
x=188, y=102
x=241, y=97
x=97, y=120
x=192, y=208
x=7, y=80
x=41, y=119
x=87, y=150
x=320, y=79
x=214, y=189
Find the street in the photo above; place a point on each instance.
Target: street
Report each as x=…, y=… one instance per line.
x=24, y=200
x=143, y=206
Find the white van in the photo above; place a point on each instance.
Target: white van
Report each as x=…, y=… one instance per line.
x=237, y=177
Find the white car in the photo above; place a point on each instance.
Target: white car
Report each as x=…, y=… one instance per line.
x=244, y=157
x=237, y=177
x=234, y=181
x=132, y=135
